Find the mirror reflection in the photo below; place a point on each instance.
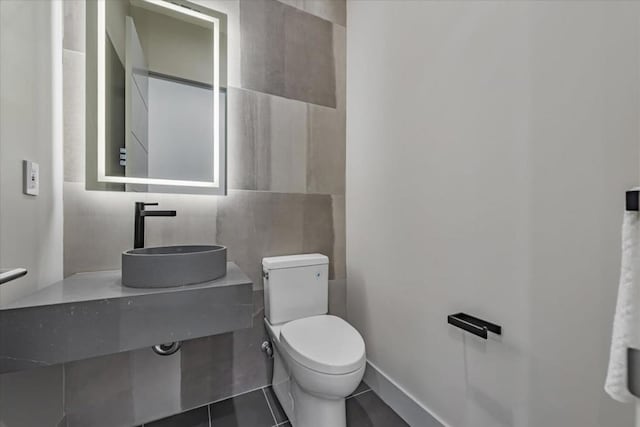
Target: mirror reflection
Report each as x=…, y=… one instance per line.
x=165, y=97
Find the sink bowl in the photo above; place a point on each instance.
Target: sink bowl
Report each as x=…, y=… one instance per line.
x=168, y=266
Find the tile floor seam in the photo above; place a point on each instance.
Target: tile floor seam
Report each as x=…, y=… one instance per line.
x=208, y=405
x=358, y=394
x=264, y=393
x=237, y=394
x=372, y=404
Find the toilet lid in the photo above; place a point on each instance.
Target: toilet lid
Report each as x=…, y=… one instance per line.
x=324, y=343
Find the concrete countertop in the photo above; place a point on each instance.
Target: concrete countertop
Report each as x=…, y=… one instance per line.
x=92, y=314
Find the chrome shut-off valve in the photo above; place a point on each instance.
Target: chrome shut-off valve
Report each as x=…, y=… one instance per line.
x=267, y=348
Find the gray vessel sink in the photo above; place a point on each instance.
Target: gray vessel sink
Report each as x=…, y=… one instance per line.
x=168, y=266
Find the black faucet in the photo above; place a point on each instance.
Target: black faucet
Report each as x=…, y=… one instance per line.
x=138, y=232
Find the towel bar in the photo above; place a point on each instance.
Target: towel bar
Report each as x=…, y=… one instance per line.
x=9, y=275
x=633, y=200
x=474, y=325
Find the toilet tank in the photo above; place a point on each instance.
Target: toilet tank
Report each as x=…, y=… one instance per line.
x=295, y=286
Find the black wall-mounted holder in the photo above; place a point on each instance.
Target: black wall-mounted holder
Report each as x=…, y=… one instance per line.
x=633, y=200
x=474, y=325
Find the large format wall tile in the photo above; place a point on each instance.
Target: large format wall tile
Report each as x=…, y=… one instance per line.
x=340, y=60
x=309, y=73
x=254, y=225
x=122, y=389
x=99, y=391
x=318, y=232
x=220, y=366
x=288, y=141
x=338, y=298
x=32, y=398
x=340, y=239
x=262, y=45
x=287, y=52
x=248, y=148
x=97, y=228
x=73, y=115
x=326, y=150
x=331, y=10
x=267, y=142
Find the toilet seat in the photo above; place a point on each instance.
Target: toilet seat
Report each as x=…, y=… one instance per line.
x=324, y=343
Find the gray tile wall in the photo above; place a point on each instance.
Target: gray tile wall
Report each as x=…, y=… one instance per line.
x=286, y=159
x=31, y=398
x=287, y=52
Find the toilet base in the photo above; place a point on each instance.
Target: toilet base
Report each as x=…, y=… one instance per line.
x=281, y=384
x=304, y=409
x=312, y=411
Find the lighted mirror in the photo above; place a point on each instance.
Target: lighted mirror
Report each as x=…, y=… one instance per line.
x=156, y=97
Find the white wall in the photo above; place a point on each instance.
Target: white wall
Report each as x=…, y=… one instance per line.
x=31, y=227
x=489, y=145
x=30, y=129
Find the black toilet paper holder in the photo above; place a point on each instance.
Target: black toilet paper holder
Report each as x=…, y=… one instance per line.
x=474, y=325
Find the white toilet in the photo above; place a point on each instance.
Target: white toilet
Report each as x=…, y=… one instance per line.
x=318, y=359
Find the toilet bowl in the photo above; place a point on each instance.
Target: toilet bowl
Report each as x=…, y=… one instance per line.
x=319, y=359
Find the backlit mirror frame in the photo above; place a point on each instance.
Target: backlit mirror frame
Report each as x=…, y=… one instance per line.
x=96, y=177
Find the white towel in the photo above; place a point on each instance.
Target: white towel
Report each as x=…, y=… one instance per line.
x=626, y=327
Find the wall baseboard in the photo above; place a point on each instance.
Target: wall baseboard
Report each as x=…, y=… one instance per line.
x=399, y=399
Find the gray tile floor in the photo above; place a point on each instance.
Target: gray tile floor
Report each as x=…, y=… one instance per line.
x=260, y=408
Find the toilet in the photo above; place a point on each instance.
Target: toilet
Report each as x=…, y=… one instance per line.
x=319, y=359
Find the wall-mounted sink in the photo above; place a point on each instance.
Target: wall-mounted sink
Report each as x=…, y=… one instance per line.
x=91, y=314
x=168, y=266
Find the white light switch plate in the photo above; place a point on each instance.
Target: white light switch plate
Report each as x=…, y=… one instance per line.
x=31, y=178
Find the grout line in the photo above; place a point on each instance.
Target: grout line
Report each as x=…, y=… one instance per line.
x=237, y=394
x=264, y=393
x=358, y=394
x=208, y=405
x=173, y=415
